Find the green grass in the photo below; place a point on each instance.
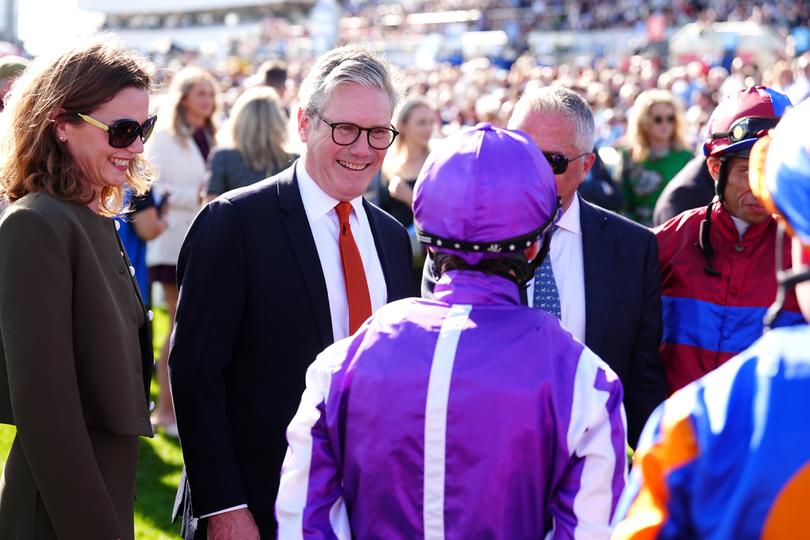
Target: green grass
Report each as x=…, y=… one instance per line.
x=158, y=473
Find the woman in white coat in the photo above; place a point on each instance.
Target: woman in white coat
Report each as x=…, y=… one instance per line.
x=178, y=150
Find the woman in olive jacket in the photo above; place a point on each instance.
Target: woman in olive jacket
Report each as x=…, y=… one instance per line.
x=75, y=352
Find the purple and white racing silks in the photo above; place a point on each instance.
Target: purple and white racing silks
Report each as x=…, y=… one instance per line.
x=470, y=416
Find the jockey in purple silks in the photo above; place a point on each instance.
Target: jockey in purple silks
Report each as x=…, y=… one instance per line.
x=471, y=415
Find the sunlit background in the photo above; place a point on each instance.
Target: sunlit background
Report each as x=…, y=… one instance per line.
x=46, y=24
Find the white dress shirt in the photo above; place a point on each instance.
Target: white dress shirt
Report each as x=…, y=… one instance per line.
x=569, y=272
x=323, y=221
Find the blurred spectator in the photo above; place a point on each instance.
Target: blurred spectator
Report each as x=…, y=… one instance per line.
x=274, y=75
x=599, y=188
x=178, y=151
x=416, y=122
x=257, y=150
x=801, y=88
x=656, y=151
x=692, y=187
x=11, y=67
x=143, y=221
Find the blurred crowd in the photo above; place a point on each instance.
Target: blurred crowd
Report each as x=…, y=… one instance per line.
x=463, y=93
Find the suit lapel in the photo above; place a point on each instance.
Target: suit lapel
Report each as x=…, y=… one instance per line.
x=597, y=244
x=296, y=225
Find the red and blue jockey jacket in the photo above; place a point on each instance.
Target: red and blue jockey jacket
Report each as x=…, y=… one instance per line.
x=708, y=319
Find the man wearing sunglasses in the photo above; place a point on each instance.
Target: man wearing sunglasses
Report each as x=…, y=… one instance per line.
x=270, y=275
x=717, y=262
x=601, y=276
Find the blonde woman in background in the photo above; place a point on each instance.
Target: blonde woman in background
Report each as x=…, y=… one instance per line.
x=178, y=150
x=655, y=151
x=258, y=146
x=415, y=120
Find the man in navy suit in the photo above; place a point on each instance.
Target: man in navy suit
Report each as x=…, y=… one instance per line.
x=604, y=268
x=263, y=290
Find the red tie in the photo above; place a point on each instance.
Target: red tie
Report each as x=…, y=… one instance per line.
x=353, y=273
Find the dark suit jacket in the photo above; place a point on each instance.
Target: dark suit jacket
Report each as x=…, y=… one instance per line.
x=75, y=366
x=253, y=314
x=622, y=307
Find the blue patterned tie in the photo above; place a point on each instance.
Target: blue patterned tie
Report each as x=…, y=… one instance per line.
x=546, y=296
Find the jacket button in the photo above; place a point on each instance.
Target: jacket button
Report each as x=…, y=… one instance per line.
x=150, y=315
x=132, y=270
x=738, y=247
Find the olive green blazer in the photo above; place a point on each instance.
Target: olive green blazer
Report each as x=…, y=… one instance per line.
x=75, y=366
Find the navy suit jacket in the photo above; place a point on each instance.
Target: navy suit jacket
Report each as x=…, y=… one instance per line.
x=623, y=322
x=253, y=314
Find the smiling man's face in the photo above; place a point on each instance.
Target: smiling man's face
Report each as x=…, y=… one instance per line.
x=344, y=172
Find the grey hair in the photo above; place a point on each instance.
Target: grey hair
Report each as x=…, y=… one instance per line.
x=557, y=100
x=349, y=64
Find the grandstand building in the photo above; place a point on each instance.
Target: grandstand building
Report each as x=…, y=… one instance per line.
x=8, y=20
x=191, y=24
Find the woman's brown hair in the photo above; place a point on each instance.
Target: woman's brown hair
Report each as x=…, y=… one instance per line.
x=55, y=90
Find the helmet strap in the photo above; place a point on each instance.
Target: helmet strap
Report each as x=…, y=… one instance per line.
x=705, y=238
x=705, y=242
x=722, y=178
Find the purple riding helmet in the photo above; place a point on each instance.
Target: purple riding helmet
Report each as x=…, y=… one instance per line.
x=485, y=193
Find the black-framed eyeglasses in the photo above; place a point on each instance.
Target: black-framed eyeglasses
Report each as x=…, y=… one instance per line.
x=751, y=127
x=345, y=133
x=123, y=132
x=559, y=163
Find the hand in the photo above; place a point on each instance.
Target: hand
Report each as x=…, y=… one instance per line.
x=234, y=525
x=400, y=190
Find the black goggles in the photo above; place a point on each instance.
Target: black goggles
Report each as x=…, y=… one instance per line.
x=559, y=163
x=122, y=133
x=752, y=127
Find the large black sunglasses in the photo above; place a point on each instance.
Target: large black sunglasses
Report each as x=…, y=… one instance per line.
x=345, y=133
x=752, y=127
x=559, y=163
x=122, y=133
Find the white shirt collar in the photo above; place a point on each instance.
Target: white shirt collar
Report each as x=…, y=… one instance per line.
x=318, y=203
x=570, y=218
x=741, y=225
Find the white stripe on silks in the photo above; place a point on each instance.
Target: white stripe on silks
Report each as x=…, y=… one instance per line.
x=339, y=520
x=292, y=494
x=589, y=437
x=441, y=372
